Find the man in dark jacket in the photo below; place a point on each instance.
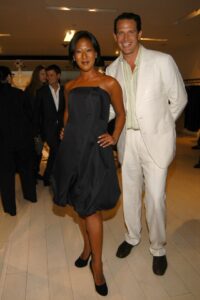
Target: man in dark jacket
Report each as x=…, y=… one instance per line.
x=16, y=151
x=49, y=115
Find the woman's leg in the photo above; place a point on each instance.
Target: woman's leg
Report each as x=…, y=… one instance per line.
x=87, y=248
x=94, y=228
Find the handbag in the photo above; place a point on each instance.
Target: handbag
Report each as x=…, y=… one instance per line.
x=38, y=144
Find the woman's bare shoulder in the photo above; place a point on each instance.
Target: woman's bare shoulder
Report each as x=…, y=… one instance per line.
x=109, y=83
x=69, y=85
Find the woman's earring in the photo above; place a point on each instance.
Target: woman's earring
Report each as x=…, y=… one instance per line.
x=74, y=59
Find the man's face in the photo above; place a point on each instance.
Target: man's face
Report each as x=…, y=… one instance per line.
x=52, y=77
x=127, y=36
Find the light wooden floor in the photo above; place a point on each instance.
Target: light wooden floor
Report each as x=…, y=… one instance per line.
x=38, y=247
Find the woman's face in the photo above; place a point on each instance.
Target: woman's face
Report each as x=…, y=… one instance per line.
x=85, y=54
x=42, y=76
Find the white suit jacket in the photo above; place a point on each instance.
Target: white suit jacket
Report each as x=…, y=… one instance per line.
x=160, y=99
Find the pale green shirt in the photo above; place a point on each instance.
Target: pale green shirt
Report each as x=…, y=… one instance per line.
x=131, y=85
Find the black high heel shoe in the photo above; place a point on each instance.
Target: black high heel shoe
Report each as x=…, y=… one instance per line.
x=101, y=289
x=80, y=263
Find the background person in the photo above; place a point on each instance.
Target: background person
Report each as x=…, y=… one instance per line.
x=16, y=151
x=49, y=115
x=38, y=79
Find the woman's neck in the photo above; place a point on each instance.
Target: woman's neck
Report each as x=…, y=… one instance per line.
x=89, y=75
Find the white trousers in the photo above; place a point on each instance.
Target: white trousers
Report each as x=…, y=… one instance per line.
x=138, y=171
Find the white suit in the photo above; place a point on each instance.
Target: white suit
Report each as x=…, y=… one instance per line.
x=160, y=99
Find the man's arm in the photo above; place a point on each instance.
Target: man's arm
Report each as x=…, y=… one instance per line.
x=175, y=88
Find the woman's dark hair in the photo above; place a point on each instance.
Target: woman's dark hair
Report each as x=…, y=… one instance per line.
x=35, y=82
x=84, y=35
x=128, y=16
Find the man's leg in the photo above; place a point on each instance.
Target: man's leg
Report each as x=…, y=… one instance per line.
x=7, y=179
x=132, y=182
x=155, y=182
x=25, y=165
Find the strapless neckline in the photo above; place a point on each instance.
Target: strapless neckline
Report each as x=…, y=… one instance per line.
x=89, y=87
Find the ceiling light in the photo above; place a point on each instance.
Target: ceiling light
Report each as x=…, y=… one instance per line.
x=189, y=16
x=153, y=40
x=68, y=36
x=58, y=8
x=110, y=10
x=4, y=34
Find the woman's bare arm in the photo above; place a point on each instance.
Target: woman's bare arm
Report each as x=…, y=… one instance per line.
x=66, y=113
x=115, y=91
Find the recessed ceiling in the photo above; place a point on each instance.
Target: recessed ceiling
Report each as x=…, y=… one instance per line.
x=36, y=30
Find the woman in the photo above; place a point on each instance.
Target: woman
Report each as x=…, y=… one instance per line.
x=84, y=173
x=38, y=79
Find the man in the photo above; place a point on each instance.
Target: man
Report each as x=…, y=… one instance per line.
x=49, y=115
x=154, y=97
x=16, y=151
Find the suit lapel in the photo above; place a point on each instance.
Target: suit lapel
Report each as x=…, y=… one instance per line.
x=145, y=69
x=119, y=75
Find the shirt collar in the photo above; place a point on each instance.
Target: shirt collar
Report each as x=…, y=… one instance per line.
x=52, y=89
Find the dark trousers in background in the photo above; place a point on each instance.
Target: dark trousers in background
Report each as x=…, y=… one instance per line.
x=38, y=143
x=22, y=161
x=38, y=158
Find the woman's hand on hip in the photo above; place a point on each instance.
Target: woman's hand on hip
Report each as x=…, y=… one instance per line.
x=105, y=140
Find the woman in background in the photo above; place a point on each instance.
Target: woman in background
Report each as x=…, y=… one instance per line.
x=38, y=79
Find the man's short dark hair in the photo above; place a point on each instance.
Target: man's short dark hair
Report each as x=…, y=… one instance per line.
x=4, y=72
x=84, y=35
x=55, y=68
x=128, y=16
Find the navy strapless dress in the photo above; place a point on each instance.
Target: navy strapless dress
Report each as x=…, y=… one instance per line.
x=84, y=173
